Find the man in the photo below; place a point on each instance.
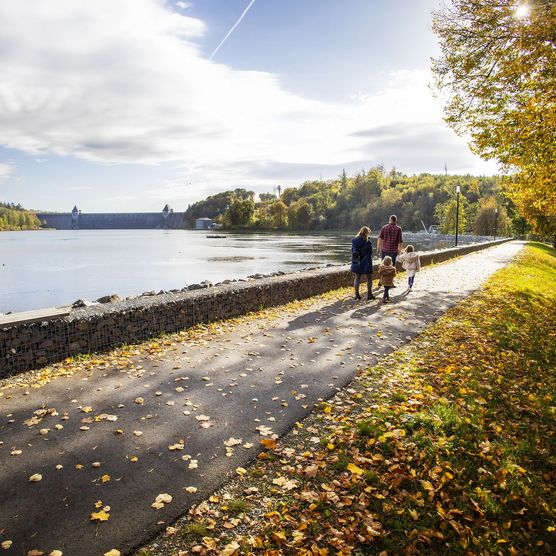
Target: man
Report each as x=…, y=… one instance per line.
x=390, y=241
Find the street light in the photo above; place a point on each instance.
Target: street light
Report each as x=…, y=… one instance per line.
x=458, y=191
x=495, y=222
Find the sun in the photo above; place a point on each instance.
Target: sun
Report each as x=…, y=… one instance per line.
x=521, y=10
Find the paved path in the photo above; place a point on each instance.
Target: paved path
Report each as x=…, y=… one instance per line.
x=265, y=373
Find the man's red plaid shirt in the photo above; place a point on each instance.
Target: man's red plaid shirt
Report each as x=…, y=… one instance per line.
x=391, y=236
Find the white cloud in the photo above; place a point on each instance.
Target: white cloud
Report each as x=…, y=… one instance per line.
x=126, y=82
x=6, y=170
x=184, y=5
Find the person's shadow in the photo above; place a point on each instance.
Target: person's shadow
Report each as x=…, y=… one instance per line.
x=401, y=296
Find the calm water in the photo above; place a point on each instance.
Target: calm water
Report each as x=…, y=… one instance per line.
x=52, y=268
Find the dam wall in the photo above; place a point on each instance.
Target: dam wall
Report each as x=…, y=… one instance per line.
x=104, y=326
x=113, y=221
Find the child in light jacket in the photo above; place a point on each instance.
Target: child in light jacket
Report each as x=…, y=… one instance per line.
x=411, y=263
x=386, y=273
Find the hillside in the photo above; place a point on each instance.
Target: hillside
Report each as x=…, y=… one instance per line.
x=15, y=217
x=366, y=198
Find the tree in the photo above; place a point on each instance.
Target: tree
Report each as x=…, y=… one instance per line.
x=486, y=220
x=265, y=197
x=241, y=211
x=446, y=216
x=300, y=215
x=279, y=214
x=498, y=69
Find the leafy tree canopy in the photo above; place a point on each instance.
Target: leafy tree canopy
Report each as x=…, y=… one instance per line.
x=15, y=217
x=367, y=198
x=497, y=69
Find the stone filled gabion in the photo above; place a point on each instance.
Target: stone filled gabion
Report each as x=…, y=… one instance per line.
x=99, y=327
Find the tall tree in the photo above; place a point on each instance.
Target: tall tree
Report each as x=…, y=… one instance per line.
x=498, y=70
x=448, y=213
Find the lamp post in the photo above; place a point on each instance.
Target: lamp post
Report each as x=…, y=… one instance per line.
x=458, y=191
x=495, y=222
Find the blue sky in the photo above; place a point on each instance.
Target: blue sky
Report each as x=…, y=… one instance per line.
x=116, y=106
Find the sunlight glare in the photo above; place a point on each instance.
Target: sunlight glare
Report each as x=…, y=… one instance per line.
x=521, y=10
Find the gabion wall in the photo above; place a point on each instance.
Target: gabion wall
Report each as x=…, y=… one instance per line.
x=101, y=327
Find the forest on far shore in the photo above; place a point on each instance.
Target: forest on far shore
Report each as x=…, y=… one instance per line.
x=15, y=217
x=367, y=198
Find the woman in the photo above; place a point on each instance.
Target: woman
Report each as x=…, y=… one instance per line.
x=362, y=261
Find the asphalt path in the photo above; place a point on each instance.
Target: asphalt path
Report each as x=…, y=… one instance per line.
x=109, y=439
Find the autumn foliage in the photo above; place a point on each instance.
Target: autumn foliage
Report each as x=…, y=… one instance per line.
x=497, y=69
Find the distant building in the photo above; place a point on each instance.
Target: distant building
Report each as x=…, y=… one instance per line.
x=204, y=224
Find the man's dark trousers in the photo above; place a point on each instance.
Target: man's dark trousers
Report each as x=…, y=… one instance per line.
x=392, y=255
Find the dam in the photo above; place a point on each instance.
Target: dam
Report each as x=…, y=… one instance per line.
x=77, y=220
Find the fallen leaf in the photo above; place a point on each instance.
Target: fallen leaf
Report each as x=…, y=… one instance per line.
x=354, y=469
x=100, y=516
x=269, y=443
x=232, y=441
x=161, y=500
x=35, y=478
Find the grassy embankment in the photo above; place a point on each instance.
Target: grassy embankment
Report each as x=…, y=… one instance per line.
x=445, y=447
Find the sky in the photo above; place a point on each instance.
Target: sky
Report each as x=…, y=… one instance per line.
x=126, y=105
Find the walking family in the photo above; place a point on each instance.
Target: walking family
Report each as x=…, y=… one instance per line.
x=390, y=247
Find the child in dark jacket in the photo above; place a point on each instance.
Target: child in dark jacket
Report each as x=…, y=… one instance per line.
x=386, y=273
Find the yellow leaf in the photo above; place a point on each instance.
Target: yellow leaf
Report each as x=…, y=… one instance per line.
x=279, y=537
x=241, y=471
x=105, y=478
x=354, y=469
x=269, y=443
x=230, y=549
x=330, y=446
x=100, y=516
x=210, y=543
x=113, y=552
x=414, y=514
x=35, y=478
x=327, y=409
x=86, y=409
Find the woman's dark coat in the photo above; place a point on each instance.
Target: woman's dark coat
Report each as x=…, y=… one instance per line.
x=361, y=256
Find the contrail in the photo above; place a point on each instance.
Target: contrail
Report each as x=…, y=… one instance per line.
x=232, y=29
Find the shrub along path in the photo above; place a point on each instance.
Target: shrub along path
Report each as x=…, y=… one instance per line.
x=99, y=453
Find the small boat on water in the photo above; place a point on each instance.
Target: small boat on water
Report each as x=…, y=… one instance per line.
x=215, y=236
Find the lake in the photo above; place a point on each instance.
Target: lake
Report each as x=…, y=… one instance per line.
x=53, y=267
